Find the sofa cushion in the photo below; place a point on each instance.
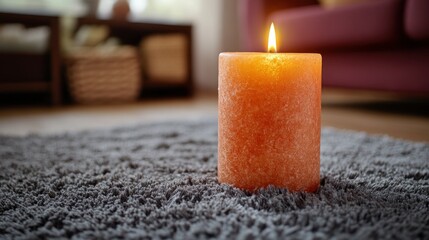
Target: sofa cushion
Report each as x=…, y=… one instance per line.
x=362, y=24
x=417, y=19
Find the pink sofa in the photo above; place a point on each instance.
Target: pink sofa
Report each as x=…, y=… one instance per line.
x=377, y=44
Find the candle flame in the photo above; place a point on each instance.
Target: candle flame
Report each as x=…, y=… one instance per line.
x=272, y=45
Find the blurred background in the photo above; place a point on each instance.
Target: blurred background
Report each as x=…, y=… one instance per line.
x=73, y=65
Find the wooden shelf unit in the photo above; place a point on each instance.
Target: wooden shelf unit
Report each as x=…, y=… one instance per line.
x=131, y=33
x=31, y=72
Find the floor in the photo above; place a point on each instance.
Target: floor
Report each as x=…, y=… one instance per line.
x=355, y=110
x=378, y=113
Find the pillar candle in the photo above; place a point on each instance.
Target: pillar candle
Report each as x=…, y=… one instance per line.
x=269, y=120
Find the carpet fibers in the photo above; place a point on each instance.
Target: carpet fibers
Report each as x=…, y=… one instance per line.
x=159, y=182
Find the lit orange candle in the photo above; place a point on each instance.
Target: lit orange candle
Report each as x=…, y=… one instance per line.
x=269, y=119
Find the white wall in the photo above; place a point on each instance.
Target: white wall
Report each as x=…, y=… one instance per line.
x=215, y=31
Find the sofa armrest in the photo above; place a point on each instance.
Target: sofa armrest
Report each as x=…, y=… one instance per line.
x=253, y=15
x=316, y=28
x=416, y=19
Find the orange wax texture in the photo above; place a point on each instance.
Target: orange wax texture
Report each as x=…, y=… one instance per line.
x=269, y=120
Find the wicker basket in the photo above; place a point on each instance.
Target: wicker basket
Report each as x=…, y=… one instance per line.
x=159, y=51
x=104, y=76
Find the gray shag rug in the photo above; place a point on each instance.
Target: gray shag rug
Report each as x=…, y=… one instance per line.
x=159, y=181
